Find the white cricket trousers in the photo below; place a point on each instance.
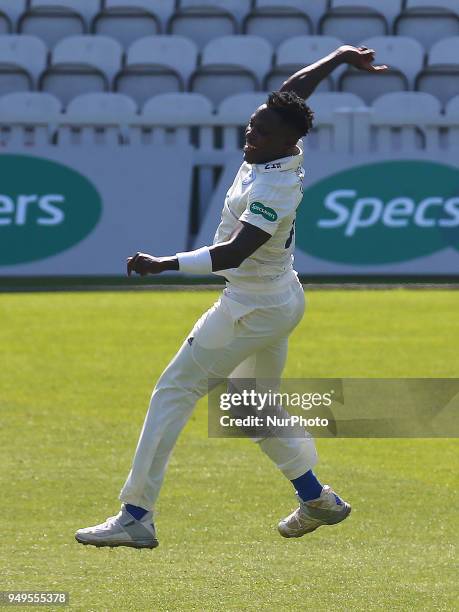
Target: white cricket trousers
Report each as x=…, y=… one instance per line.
x=231, y=340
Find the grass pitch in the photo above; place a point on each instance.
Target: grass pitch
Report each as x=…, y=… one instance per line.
x=77, y=370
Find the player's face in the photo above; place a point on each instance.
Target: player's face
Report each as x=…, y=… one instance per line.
x=267, y=137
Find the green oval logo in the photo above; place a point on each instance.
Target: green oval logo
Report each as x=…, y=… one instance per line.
x=265, y=211
x=381, y=213
x=45, y=208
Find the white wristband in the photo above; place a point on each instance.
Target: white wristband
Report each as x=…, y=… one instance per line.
x=195, y=262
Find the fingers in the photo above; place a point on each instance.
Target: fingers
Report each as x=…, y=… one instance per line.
x=131, y=263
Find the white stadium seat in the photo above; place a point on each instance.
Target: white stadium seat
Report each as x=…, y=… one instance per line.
x=452, y=108
x=251, y=52
x=354, y=23
x=277, y=24
x=314, y=9
x=298, y=52
x=157, y=64
x=86, y=8
x=398, y=120
x=163, y=9
x=182, y=118
x=323, y=104
x=429, y=22
x=237, y=109
x=102, y=52
x=232, y=64
x=202, y=24
x=445, y=52
x=441, y=75
x=176, y=52
x=29, y=107
x=97, y=118
x=238, y=8
x=331, y=131
x=180, y=109
x=407, y=105
x=450, y=5
x=28, y=118
x=28, y=52
x=405, y=58
x=81, y=64
x=389, y=8
x=52, y=23
x=126, y=24
x=13, y=9
x=102, y=107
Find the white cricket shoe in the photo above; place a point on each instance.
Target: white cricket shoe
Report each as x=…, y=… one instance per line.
x=328, y=509
x=121, y=530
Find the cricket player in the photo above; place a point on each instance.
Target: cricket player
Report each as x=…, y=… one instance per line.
x=245, y=333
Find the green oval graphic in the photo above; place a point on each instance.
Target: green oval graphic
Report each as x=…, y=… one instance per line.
x=45, y=208
x=380, y=213
x=257, y=208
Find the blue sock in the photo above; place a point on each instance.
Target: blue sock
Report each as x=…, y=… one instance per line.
x=307, y=486
x=137, y=513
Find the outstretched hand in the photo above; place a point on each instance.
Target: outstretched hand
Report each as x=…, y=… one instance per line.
x=144, y=264
x=361, y=58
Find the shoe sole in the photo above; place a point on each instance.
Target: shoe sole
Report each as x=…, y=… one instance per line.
x=338, y=519
x=150, y=544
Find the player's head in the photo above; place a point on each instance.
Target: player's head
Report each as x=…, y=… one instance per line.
x=276, y=126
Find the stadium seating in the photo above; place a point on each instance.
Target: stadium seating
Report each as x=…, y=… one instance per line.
x=277, y=24
x=12, y=9
x=332, y=131
x=297, y=53
x=441, y=75
x=87, y=9
x=314, y=9
x=429, y=21
x=202, y=24
x=126, y=24
x=22, y=59
x=161, y=9
x=157, y=64
x=232, y=64
x=97, y=118
x=173, y=118
x=28, y=118
x=389, y=8
x=452, y=108
x=176, y=52
x=238, y=8
x=5, y=25
x=81, y=64
x=52, y=24
x=353, y=20
x=405, y=58
x=398, y=120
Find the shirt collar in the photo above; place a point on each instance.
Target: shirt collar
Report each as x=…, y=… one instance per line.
x=292, y=162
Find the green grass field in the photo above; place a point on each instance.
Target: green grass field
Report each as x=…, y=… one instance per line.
x=77, y=370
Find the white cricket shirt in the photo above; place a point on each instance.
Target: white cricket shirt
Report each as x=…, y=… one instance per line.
x=267, y=196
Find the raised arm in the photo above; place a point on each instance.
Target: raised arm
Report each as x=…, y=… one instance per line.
x=304, y=82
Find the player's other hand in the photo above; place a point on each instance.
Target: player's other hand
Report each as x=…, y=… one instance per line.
x=144, y=264
x=361, y=58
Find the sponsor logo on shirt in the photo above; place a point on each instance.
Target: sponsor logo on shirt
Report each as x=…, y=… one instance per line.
x=275, y=166
x=260, y=209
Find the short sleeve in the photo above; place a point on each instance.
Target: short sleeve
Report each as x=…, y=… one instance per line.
x=268, y=205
